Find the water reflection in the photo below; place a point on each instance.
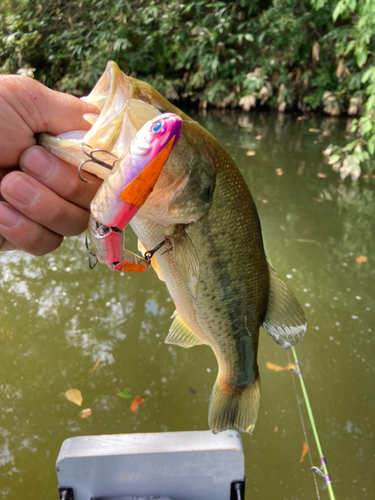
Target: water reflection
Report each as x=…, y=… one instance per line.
x=58, y=318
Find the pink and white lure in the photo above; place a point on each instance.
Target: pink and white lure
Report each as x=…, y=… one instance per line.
x=127, y=187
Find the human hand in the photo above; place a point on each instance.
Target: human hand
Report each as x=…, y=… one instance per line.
x=41, y=197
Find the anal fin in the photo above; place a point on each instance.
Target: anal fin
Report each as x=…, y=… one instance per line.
x=180, y=334
x=285, y=321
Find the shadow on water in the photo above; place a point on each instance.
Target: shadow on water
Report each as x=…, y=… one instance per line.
x=58, y=318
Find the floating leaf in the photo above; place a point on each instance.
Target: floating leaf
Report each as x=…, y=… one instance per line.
x=95, y=366
x=277, y=368
x=75, y=396
x=361, y=259
x=137, y=401
x=124, y=394
x=279, y=171
x=250, y=153
x=85, y=413
x=305, y=449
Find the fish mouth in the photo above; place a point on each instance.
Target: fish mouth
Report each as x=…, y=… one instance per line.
x=123, y=108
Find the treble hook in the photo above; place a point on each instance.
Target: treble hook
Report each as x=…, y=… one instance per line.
x=79, y=172
x=149, y=254
x=91, y=266
x=168, y=250
x=93, y=159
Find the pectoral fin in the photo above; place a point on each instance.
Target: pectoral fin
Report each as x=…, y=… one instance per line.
x=285, y=320
x=180, y=334
x=187, y=261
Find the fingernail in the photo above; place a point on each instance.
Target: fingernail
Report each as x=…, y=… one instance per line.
x=37, y=162
x=22, y=190
x=8, y=216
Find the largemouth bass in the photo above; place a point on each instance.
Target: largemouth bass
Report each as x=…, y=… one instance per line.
x=216, y=270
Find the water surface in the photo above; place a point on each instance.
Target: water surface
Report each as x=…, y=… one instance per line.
x=58, y=318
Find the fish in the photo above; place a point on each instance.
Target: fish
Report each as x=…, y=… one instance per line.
x=215, y=269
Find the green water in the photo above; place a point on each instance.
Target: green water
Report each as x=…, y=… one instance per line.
x=58, y=318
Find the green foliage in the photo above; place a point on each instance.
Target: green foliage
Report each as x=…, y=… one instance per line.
x=282, y=53
x=357, y=44
x=185, y=47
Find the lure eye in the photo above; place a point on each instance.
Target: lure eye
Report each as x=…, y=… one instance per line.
x=157, y=126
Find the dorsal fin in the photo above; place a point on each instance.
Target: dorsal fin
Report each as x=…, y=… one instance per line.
x=285, y=320
x=180, y=334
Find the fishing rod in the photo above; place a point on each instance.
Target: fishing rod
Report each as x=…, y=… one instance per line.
x=323, y=469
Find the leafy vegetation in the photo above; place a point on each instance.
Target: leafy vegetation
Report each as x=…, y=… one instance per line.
x=286, y=54
x=356, y=43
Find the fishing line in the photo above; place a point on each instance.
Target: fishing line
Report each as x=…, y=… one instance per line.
x=323, y=470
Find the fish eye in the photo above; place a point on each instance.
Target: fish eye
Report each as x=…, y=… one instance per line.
x=157, y=126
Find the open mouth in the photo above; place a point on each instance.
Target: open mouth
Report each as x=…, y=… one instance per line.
x=121, y=114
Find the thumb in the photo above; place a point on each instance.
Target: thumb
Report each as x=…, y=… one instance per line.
x=31, y=108
x=58, y=112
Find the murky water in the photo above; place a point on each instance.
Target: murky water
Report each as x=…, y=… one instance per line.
x=58, y=318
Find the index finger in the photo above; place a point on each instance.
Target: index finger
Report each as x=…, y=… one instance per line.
x=3, y=172
x=59, y=176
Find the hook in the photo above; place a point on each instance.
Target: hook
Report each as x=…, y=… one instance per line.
x=149, y=254
x=91, y=266
x=80, y=169
x=100, y=162
x=168, y=250
x=94, y=159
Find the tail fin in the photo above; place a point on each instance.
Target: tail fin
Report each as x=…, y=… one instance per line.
x=237, y=408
